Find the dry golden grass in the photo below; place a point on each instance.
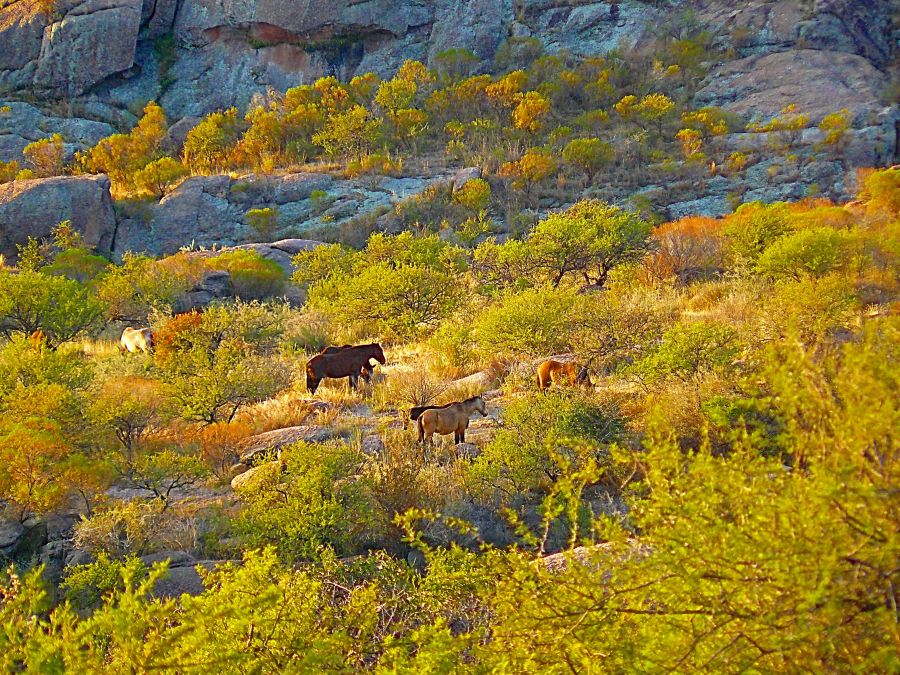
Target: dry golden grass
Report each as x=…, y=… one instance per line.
x=94, y=348
x=289, y=409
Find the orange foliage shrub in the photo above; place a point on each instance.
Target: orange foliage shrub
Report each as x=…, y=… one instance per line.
x=220, y=445
x=169, y=338
x=691, y=245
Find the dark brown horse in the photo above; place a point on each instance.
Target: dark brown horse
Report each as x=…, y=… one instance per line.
x=346, y=362
x=367, y=369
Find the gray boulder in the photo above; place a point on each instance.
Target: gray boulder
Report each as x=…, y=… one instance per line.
x=818, y=82
x=92, y=41
x=30, y=208
x=275, y=440
x=372, y=446
x=23, y=124
x=468, y=451
x=245, y=478
x=182, y=576
x=11, y=531
x=463, y=176
x=213, y=285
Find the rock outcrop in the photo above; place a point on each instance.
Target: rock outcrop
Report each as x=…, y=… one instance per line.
x=209, y=211
x=21, y=124
x=70, y=49
x=229, y=50
x=273, y=441
x=30, y=208
x=93, y=40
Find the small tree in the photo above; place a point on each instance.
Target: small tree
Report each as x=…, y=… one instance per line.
x=128, y=406
x=215, y=363
x=208, y=146
x=588, y=154
x=349, y=134
x=475, y=195
x=122, y=156
x=588, y=240
x=162, y=473
x=656, y=109
x=531, y=111
x=264, y=221
x=388, y=299
x=159, y=176
x=45, y=156
x=32, y=454
x=533, y=167
x=62, y=308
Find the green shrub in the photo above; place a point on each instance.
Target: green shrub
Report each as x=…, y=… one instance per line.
x=754, y=227
x=688, y=349
x=61, y=307
x=305, y=503
x=545, y=435
x=264, y=221
x=140, y=284
x=217, y=362
x=587, y=241
x=23, y=365
x=252, y=276
x=812, y=307
x=475, y=195
x=816, y=252
x=387, y=300
x=85, y=586
x=532, y=322
x=77, y=264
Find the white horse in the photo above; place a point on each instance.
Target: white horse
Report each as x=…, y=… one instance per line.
x=136, y=340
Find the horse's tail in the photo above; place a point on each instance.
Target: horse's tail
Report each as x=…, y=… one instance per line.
x=420, y=426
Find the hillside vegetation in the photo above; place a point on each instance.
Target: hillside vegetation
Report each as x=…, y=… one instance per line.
x=720, y=497
x=546, y=130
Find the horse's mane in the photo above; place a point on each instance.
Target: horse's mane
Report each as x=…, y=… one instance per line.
x=417, y=411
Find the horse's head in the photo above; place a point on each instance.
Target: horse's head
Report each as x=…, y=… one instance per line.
x=378, y=353
x=312, y=382
x=148, y=338
x=582, y=376
x=478, y=405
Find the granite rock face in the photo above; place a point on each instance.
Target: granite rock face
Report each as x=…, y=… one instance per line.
x=77, y=51
x=195, y=56
x=211, y=211
x=228, y=50
x=21, y=124
x=30, y=208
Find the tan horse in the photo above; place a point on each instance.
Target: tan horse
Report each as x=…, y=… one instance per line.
x=452, y=418
x=555, y=372
x=38, y=340
x=136, y=340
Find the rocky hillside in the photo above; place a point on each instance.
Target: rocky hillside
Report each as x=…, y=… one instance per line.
x=195, y=56
x=84, y=69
